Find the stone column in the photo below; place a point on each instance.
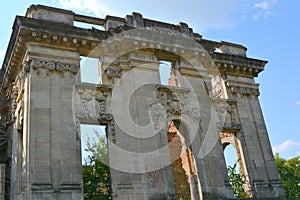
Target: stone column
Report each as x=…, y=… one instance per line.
x=53, y=154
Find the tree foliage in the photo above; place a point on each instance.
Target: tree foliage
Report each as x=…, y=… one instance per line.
x=236, y=180
x=96, y=175
x=289, y=171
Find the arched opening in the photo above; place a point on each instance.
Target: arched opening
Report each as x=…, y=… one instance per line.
x=235, y=163
x=186, y=180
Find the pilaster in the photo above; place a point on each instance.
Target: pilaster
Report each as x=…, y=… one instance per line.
x=263, y=175
x=53, y=151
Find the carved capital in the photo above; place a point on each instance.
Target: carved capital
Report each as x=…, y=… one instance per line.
x=244, y=90
x=50, y=66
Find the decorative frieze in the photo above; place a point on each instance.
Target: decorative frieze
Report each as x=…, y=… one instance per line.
x=49, y=66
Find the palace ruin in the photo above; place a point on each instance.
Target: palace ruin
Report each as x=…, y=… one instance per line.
x=164, y=141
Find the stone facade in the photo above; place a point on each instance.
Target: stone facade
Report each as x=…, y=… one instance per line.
x=164, y=141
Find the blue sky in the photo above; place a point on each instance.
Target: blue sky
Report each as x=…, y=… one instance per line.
x=268, y=28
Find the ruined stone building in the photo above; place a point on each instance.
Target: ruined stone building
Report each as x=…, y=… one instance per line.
x=164, y=141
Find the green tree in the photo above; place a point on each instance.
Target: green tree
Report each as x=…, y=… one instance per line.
x=236, y=180
x=289, y=171
x=96, y=175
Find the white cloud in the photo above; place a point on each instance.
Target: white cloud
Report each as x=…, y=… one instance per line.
x=264, y=9
x=286, y=146
x=91, y=6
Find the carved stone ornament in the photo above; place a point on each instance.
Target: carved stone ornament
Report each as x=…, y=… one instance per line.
x=217, y=89
x=227, y=119
x=53, y=66
x=13, y=104
x=112, y=72
x=244, y=90
x=170, y=102
x=92, y=105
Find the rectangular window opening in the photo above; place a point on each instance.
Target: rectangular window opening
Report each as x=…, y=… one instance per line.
x=89, y=70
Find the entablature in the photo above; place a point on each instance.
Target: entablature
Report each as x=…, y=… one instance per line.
x=36, y=28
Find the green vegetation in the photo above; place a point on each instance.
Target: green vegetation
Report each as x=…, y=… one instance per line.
x=96, y=175
x=289, y=171
x=236, y=180
x=97, y=178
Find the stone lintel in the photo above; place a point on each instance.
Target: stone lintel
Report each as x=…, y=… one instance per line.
x=96, y=87
x=224, y=100
x=167, y=88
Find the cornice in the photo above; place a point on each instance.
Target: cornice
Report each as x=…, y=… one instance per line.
x=238, y=65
